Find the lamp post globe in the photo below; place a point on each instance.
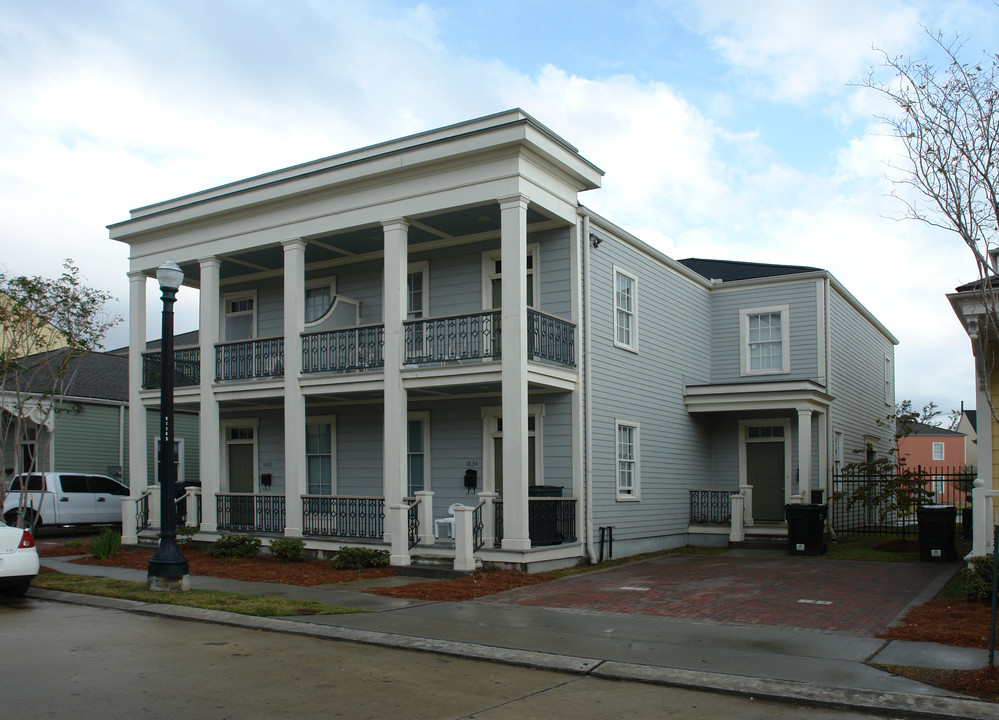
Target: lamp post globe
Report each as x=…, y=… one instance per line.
x=167, y=568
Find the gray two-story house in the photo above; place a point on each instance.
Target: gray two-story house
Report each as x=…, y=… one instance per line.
x=431, y=345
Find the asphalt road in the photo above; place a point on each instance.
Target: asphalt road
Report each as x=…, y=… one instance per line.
x=69, y=661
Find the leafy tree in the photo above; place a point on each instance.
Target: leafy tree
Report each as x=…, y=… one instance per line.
x=888, y=488
x=46, y=327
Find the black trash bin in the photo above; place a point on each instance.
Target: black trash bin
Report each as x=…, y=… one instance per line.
x=937, y=527
x=542, y=517
x=806, y=528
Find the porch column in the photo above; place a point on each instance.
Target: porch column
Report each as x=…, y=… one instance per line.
x=396, y=405
x=294, y=400
x=209, y=428
x=513, y=256
x=137, y=479
x=804, y=455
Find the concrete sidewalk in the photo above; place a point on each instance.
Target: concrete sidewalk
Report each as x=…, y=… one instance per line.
x=764, y=661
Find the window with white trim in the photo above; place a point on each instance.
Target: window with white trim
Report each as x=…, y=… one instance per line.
x=764, y=346
x=178, y=462
x=320, y=466
x=417, y=290
x=938, y=451
x=417, y=453
x=837, y=452
x=319, y=295
x=625, y=310
x=492, y=278
x=239, y=317
x=628, y=478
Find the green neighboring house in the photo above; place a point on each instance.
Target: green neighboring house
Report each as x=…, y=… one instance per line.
x=86, y=429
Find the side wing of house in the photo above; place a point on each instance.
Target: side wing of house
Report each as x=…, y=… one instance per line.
x=862, y=381
x=649, y=336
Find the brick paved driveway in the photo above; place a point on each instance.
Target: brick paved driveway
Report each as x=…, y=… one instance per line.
x=857, y=598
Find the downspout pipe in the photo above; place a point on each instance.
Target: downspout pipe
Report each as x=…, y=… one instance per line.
x=587, y=394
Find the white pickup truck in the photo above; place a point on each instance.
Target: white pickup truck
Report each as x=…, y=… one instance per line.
x=65, y=499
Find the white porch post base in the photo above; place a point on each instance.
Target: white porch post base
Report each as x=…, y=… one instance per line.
x=737, y=533
x=464, y=560
x=192, y=505
x=154, y=506
x=129, y=527
x=398, y=515
x=982, y=521
x=516, y=544
x=426, y=511
x=747, y=492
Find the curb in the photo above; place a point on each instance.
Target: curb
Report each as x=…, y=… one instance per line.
x=927, y=706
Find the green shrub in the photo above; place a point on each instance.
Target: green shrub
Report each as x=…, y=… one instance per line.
x=233, y=547
x=355, y=558
x=978, y=578
x=106, y=544
x=185, y=536
x=288, y=549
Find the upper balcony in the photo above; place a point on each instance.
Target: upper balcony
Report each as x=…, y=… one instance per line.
x=470, y=337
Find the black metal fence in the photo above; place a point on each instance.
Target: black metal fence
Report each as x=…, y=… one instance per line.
x=711, y=506
x=251, y=513
x=550, y=521
x=343, y=517
x=890, y=506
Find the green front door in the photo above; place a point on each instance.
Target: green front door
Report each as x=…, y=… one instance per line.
x=240, y=468
x=765, y=472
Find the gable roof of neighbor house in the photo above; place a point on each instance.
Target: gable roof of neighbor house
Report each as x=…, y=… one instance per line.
x=918, y=428
x=186, y=339
x=730, y=270
x=95, y=375
x=972, y=416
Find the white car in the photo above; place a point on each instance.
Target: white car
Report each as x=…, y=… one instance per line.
x=18, y=560
x=64, y=498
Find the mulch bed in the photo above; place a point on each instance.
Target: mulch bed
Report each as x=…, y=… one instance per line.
x=263, y=568
x=950, y=622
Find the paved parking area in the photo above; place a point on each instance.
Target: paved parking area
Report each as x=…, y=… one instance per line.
x=857, y=598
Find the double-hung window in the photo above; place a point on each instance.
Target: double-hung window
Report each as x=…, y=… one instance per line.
x=625, y=310
x=938, y=451
x=239, y=321
x=628, y=486
x=765, y=349
x=319, y=456
x=417, y=453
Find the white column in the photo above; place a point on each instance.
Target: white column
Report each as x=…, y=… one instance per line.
x=464, y=553
x=209, y=427
x=396, y=405
x=513, y=256
x=137, y=469
x=823, y=452
x=294, y=400
x=804, y=455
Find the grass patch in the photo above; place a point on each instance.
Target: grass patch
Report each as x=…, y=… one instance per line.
x=257, y=605
x=882, y=549
x=687, y=550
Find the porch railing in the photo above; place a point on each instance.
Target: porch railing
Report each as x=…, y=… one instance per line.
x=477, y=526
x=413, y=523
x=472, y=336
x=550, y=521
x=361, y=518
x=251, y=513
x=186, y=368
x=358, y=348
x=249, y=359
x=142, y=512
x=711, y=506
x=550, y=338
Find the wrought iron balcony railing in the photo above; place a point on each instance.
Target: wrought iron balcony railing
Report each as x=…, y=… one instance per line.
x=358, y=348
x=473, y=336
x=249, y=359
x=550, y=338
x=186, y=368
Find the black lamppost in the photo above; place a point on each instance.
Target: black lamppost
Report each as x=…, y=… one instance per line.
x=167, y=567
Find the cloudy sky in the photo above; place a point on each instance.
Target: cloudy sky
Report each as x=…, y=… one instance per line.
x=727, y=129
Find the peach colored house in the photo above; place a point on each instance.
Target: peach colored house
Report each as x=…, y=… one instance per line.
x=935, y=449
